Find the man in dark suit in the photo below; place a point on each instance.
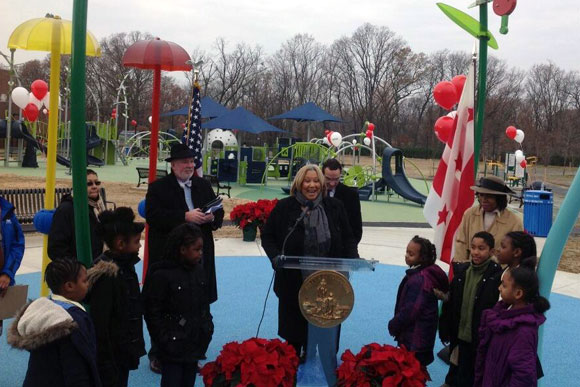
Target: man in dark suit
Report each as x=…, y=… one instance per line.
x=332, y=169
x=175, y=199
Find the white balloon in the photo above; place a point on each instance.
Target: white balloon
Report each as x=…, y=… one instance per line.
x=32, y=99
x=45, y=111
x=452, y=114
x=325, y=141
x=46, y=99
x=354, y=142
x=150, y=119
x=519, y=136
x=336, y=139
x=367, y=141
x=20, y=97
x=519, y=153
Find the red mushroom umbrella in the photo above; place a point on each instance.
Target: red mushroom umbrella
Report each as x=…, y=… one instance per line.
x=156, y=55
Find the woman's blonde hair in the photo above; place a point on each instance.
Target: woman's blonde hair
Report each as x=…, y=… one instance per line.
x=299, y=179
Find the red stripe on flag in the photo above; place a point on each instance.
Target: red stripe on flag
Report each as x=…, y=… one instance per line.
x=439, y=179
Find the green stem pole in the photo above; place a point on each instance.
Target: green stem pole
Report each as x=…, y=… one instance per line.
x=78, y=133
x=482, y=79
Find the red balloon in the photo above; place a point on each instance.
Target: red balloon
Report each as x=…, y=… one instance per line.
x=523, y=164
x=183, y=125
x=369, y=133
x=511, y=132
x=133, y=123
x=445, y=95
x=31, y=112
x=371, y=126
x=443, y=128
x=114, y=110
x=459, y=81
x=326, y=132
x=39, y=88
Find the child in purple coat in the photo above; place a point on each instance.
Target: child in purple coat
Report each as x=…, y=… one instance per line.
x=508, y=333
x=416, y=311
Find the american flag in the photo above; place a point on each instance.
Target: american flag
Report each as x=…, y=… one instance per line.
x=192, y=134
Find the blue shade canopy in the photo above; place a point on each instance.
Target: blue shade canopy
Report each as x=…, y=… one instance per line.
x=243, y=120
x=307, y=112
x=209, y=109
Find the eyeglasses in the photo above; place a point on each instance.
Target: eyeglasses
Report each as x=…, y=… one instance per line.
x=90, y=183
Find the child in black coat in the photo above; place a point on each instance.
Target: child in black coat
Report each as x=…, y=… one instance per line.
x=58, y=332
x=177, y=307
x=115, y=297
x=473, y=289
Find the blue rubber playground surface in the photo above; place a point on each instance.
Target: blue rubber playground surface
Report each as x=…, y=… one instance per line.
x=243, y=283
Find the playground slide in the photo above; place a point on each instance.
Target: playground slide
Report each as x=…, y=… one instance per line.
x=398, y=181
x=59, y=159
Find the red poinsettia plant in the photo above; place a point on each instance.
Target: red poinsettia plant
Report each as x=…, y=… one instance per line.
x=252, y=213
x=254, y=362
x=381, y=365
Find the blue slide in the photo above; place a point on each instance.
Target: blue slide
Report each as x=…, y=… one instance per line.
x=398, y=180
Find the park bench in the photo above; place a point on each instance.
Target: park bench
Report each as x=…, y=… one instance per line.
x=214, y=181
x=144, y=174
x=28, y=201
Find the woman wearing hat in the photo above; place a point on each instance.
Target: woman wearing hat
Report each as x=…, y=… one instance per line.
x=491, y=215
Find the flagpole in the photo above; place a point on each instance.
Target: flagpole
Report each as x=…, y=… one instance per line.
x=482, y=79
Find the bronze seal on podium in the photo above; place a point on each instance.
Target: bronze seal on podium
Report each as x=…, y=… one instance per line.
x=326, y=298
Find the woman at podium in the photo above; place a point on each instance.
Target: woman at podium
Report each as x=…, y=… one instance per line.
x=308, y=223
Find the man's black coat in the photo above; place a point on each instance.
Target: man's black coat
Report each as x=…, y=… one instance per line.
x=165, y=208
x=349, y=197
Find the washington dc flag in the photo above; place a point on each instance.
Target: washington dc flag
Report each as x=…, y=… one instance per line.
x=451, y=194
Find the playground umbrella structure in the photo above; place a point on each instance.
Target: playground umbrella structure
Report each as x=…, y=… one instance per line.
x=209, y=109
x=52, y=34
x=242, y=120
x=156, y=55
x=307, y=112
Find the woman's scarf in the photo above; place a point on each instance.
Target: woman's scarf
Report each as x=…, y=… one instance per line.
x=316, y=230
x=98, y=206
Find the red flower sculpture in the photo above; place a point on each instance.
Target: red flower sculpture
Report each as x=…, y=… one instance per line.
x=255, y=362
x=381, y=365
x=253, y=213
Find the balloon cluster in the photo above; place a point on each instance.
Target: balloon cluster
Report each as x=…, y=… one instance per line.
x=332, y=138
x=518, y=135
x=447, y=95
x=368, y=132
x=32, y=102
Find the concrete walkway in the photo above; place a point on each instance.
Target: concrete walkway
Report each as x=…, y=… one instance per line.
x=385, y=244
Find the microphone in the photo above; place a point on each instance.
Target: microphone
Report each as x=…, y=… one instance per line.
x=309, y=206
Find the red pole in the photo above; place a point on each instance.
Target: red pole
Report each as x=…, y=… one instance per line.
x=153, y=145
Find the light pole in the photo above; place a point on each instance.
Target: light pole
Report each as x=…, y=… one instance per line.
x=13, y=74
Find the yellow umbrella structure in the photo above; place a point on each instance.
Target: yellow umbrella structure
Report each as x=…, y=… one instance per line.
x=52, y=34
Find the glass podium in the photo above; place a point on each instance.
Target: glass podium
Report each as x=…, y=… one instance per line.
x=326, y=299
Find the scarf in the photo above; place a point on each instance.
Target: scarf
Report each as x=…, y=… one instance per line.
x=316, y=230
x=473, y=277
x=98, y=206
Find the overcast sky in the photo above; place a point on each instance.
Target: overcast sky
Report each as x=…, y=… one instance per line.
x=539, y=30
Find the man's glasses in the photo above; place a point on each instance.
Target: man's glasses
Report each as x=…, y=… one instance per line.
x=90, y=183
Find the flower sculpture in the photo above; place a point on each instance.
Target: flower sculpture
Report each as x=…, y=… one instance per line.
x=381, y=365
x=254, y=362
x=253, y=214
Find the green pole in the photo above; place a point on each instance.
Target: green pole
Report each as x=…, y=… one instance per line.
x=482, y=79
x=78, y=133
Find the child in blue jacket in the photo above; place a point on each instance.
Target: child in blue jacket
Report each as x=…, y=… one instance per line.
x=11, y=246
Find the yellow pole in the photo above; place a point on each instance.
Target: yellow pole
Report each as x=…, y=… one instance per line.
x=52, y=139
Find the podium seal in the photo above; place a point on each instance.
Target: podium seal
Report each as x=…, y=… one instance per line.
x=326, y=298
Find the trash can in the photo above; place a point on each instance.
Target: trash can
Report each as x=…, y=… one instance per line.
x=538, y=208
